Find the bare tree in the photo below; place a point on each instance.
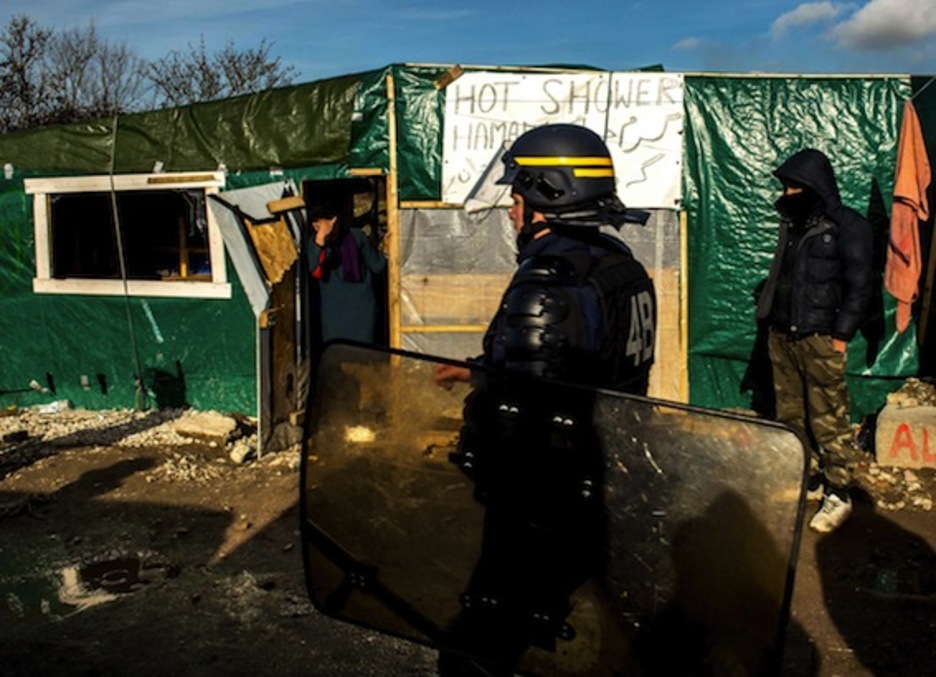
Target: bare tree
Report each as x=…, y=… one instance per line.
x=93, y=78
x=23, y=78
x=252, y=70
x=179, y=79
x=183, y=78
x=48, y=78
x=69, y=60
x=120, y=80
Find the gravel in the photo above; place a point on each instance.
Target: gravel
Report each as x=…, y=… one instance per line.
x=29, y=435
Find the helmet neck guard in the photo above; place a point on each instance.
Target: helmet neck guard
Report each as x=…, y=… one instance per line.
x=608, y=211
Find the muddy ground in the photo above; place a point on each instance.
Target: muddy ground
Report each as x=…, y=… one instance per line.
x=128, y=549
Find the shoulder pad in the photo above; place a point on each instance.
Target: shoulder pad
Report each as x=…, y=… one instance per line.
x=549, y=269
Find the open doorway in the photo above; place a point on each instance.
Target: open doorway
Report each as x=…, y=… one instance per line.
x=361, y=205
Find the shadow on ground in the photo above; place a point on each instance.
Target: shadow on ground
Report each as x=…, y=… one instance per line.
x=97, y=579
x=879, y=584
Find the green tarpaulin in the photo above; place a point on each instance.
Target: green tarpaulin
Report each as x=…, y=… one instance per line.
x=738, y=130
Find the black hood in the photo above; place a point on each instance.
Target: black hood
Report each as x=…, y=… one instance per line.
x=811, y=168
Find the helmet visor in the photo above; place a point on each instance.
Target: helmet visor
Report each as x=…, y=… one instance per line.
x=511, y=169
x=490, y=191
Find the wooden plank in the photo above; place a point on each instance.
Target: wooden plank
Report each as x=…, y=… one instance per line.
x=41, y=235
x=429, y=204
x=451, y=299
x=683, y=307
x=393, y=224
x=445, y=329
x=86, y=184
x=285, y=204
x=366, y=171
x=667, y=378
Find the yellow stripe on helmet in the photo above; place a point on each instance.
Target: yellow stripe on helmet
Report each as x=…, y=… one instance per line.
x=593, y=173
x=537, y=161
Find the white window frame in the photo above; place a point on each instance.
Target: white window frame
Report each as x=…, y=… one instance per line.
x=41, y=190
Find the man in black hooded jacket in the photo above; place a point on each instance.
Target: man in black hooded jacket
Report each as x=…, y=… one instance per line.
x=814, y=301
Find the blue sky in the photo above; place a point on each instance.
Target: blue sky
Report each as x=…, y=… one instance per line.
x=324, y=38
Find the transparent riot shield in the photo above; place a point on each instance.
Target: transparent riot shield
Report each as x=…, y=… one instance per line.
x=544, y=528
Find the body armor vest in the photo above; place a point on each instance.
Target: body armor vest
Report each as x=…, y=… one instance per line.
x=545, y=330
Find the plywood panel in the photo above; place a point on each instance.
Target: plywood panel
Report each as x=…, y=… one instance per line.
x=462, y=299
x=451, y=299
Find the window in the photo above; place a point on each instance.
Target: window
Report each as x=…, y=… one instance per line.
x=169, y=244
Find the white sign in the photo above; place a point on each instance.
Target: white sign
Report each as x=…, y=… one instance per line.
x=640, y=116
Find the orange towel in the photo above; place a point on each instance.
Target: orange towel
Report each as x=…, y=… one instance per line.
x=904, y=261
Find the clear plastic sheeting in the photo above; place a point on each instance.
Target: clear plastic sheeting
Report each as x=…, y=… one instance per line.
x=450, y=241
x=547, y=528
x=455, y=267
x=457, y=345
x=657, y=246
x=487, y=193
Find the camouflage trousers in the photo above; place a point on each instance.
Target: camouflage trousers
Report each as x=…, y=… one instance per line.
x=812, y=398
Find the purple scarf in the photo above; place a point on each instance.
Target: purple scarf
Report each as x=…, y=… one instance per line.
x=350, y=258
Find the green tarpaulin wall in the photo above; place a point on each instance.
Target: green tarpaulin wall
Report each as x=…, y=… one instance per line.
x=200, y=352
x=737, y=131
x=316, y=130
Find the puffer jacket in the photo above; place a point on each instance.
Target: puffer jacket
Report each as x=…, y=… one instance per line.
x=832, y=275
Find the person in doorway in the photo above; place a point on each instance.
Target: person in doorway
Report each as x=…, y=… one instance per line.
x=343, y=262
x=814, y=301
x=580, y=309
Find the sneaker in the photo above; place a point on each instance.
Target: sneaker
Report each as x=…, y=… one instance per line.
x=834, y=511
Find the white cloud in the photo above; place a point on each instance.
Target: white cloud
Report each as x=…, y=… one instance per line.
x=804, y=15
x=884, y=24
x=689, y=44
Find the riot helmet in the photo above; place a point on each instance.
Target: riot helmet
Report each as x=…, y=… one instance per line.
x=565, y=171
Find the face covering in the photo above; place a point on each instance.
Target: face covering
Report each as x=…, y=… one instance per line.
x=799, y=207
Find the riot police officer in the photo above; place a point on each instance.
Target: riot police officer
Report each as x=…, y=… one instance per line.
x=579, y=310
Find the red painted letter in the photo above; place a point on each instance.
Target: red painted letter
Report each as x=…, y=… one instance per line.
x=903, y=438
x=927, y=456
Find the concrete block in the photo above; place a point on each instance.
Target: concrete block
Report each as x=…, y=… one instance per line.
x=906, y=436
x=207, y=425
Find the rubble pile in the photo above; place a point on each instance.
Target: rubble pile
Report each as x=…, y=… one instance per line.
x=78, y=427
x=29, y=435
x=188, y=468
x=899, y=488
x=82, y=428
x=914, y=393
x=902, y=477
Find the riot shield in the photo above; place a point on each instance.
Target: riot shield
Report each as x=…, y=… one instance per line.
x=544, y=528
